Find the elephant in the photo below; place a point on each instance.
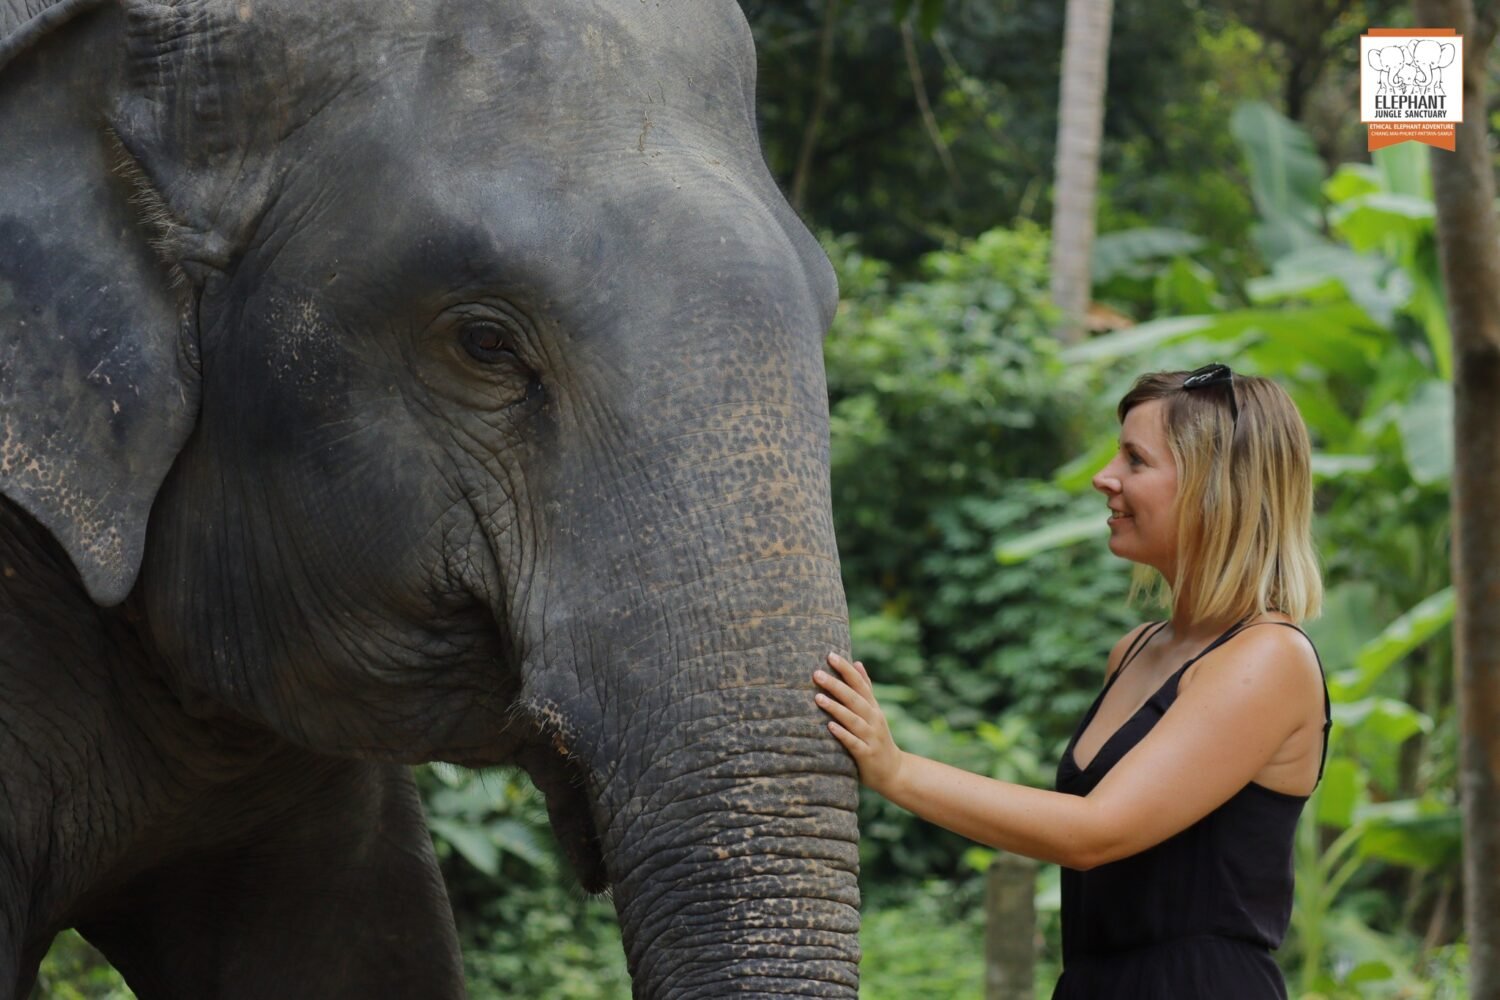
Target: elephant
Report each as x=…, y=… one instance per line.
x=1427, y=56
x=390, y=381
x=1404, y=79
x=1388, y=60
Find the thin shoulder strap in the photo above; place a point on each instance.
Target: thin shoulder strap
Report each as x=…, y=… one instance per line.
x=1327, y=701
x=1137, y=644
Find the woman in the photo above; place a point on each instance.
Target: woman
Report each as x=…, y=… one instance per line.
x=1178, y=796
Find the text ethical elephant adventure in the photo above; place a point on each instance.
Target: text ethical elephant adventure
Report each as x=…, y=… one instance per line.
x=385, y=381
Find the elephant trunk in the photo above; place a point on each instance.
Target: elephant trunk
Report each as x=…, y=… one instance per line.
x=736, y=873
x=690, y=586
x=725, y=809
x=682, y=689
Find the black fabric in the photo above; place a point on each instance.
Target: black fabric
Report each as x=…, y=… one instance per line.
x=1196, y=916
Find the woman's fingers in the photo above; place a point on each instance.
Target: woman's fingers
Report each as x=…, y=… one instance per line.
x=855, y=719
x=848, y=718
x=852, y=674
x=837, y=694
x=852, y=743
x=844, y=692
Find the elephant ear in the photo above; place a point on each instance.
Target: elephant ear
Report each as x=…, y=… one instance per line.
x=98, y=390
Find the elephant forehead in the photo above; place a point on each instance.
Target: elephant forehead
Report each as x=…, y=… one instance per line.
x=541, y=66
x=572, y=38
x=1428, y=51
x=285, y=63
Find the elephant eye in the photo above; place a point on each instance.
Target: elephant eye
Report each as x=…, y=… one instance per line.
x=487, y=343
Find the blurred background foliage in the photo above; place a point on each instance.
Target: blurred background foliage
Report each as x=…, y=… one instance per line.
x=1240, y=221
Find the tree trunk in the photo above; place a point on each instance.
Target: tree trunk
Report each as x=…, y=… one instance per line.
x=1010, y=928
x=821, y=83
x=1080, y=124
x=1464, y=188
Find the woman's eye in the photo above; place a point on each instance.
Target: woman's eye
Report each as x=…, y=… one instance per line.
x=487, y=343
x=1133, y=458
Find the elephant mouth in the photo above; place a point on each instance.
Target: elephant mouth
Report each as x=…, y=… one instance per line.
x=561, y=779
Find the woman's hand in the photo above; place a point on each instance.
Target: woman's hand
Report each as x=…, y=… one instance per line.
x=859, y=723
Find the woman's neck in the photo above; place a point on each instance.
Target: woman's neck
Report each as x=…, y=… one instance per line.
x=1190, y=629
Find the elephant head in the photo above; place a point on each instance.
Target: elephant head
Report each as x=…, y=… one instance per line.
x=1427, y=56
x=1388, y=59
x=1404, y=78
x=443, y=381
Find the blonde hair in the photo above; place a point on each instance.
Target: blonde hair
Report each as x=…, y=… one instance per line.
x=1244, y=500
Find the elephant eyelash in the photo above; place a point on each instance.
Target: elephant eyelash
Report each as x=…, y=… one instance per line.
x=166, y=236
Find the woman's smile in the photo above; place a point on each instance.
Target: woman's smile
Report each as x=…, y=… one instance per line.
x=1140, y=485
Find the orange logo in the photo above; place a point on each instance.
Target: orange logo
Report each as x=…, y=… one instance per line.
x=1411, y=85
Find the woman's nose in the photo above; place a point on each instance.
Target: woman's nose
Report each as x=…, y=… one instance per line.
x=1105, y=481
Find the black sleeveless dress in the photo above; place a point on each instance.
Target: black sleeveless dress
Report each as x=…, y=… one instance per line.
x=1197, y=916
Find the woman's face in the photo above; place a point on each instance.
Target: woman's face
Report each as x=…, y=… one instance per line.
x=1140, y=483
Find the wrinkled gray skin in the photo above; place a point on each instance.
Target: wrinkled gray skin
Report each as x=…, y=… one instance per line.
x=393, y=380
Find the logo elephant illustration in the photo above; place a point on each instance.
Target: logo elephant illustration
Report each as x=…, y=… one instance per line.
x=1390, y=60
x=1427, y=57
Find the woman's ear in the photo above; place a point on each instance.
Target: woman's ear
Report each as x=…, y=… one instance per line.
x=98, y=390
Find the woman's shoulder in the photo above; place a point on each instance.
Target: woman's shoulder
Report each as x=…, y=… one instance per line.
x=1274, y=631
x=1271, y=648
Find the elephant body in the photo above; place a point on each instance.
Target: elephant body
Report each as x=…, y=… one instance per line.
x=387, y=381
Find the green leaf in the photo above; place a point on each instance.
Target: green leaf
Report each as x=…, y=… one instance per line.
x=1286, y=178
x=1417, y=833
x=1137, y=339
x=1371, y=222
x=1368, y=972
x=1337, y=336
x=474, y=845
x=450, y=775
x=1330, y=272
x=1057, y=535
x=1319, y=403
x=1340, y=791
x=1325, y=466
x=1129, y=251
x=1426, y=426
x=1388, y=721
x=1345, y=625
x=1352, y=180
x=1395, y=641
x=514, y=837
x=1285, y=283
x=1186, y=287
x=1079, y=472
x=1279, y=235
x=1405, y=169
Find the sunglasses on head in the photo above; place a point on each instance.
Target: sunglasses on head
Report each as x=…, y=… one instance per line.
x=1212, y=375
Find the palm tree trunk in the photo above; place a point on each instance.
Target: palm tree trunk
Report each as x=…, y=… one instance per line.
x=1469, y=248
x=1080, y=125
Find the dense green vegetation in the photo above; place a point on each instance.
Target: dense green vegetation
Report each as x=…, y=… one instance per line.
x=980, y=592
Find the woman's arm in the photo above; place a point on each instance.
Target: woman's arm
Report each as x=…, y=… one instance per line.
x=1246, y=699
